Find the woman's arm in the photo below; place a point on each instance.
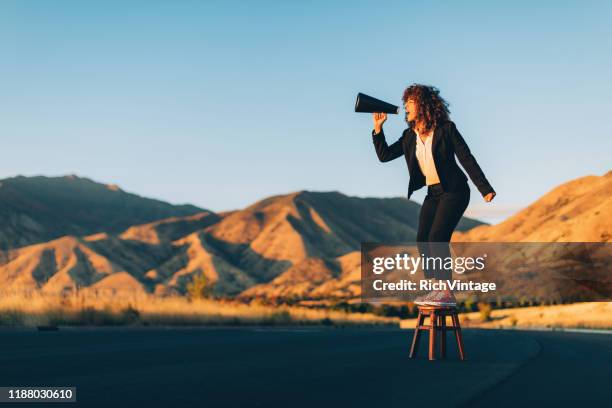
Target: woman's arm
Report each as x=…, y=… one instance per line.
x=467, y=160
x=385, y=152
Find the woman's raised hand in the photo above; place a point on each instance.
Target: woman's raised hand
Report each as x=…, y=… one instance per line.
x=379, y=119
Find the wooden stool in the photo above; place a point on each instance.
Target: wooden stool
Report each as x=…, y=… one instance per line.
x=437, y=322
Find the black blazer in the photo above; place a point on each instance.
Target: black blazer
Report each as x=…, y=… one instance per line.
x=447, y=141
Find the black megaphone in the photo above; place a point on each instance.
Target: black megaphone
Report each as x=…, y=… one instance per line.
x=368, y=104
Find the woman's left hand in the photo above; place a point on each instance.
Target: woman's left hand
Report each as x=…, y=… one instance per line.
x=489, y=197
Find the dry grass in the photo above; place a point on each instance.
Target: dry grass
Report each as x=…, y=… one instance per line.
x=33, y=309
x=593, y=315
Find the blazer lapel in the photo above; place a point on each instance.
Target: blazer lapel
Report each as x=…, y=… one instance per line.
x=412, y=160
x=436, y=140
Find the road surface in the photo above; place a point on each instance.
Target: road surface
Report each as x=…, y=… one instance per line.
x=307, y=367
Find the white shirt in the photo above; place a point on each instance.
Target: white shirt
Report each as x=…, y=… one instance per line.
x=425, y=158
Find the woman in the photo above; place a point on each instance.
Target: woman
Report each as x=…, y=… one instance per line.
x=429, y=146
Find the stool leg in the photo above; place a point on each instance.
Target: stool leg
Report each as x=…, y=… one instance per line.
x=432, y=334
x=417, y=334
x=458, y=335
x=443, y=337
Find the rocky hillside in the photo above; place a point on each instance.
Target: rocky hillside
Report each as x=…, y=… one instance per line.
x=577, y=211
x=299, y=245
x=38, y=209
x=301, y=242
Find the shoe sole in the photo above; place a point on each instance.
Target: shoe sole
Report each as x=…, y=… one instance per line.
x=434, y=303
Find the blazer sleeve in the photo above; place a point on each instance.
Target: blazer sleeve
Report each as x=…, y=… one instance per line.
x=385, y=152
x=467, y=160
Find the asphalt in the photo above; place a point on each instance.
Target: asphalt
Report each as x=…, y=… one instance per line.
x=307, y=367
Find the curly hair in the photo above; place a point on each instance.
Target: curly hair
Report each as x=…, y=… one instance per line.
x=432, y=108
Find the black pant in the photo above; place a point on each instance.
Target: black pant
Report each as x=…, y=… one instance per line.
x=440, y=214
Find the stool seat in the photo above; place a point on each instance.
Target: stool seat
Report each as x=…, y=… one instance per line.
x=437, y=323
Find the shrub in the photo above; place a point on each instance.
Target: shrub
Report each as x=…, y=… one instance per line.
x=130, y=314
x=199, y=287
x=11, y=318
x=485, y=311
x=281, y=317
x=91, y=316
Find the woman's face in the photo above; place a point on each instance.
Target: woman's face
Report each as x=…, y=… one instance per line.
x=411, y=109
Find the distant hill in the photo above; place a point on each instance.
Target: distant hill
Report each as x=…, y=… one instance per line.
x=38, y=209
x=291, y=244
x=298, y=245
x=577, y=211
x=99, y=261
x=302, y=240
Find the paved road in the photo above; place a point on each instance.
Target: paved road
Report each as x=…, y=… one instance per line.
x=307, y=367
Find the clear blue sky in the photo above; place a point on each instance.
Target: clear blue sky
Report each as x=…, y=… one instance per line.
x=223, y=103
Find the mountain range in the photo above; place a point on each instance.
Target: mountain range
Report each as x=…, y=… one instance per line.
x=81, y=234
x=71, y=232
x=38, y=209
x=577, y=211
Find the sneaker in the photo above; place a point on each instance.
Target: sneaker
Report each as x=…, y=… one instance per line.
x=443, y=298
x=425, y=299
